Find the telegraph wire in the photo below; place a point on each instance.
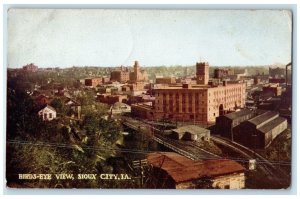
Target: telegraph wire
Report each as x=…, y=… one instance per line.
x=126, y=150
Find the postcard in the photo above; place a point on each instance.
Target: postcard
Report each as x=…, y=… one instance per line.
x=149, y=99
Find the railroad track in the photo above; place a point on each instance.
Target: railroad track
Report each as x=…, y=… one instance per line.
x=265, y=165
x=188, y=149
x=193, y=151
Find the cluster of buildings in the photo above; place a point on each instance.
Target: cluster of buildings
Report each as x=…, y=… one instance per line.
x=125, y=75
x=250, y=110
x=43, y=100
x=201, y=102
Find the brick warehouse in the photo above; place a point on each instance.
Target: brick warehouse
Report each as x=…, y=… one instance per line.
x=200, y=102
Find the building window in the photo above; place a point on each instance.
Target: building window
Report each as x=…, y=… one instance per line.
x=50, y=115
x=45, y=115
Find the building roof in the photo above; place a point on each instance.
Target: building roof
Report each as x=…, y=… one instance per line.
x=49, y=107
x=263, y=117
x=241, y=113
x=193, y=129
x=196, y=87
x=182, y=169
x=272, y=124
x=71, y=102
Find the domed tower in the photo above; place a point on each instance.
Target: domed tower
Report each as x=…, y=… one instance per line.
x=202, y=72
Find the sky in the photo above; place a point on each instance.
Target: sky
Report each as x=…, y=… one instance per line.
x=94, y=37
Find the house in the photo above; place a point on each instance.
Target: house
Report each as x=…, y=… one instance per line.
x=75, y=107
x=191, y=132
x=47, y=113
x=41, y=100
x=171, y=170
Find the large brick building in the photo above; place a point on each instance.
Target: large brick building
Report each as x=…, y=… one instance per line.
x=93, y=82
x=223, y=72
x=124, y=75
x=121, y=75
x=273, y=88
x=137, y=75
x=200, y=102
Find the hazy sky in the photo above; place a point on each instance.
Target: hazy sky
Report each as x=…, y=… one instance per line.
x=154, y=37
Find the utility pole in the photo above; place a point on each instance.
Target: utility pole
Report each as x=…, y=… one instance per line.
x=140, y=166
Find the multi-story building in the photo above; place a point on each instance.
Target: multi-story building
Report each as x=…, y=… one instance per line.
x=92, y=82
x=121, y=75
x=220, y=73
x=273, y=88
x=198, y=102
x=137, y=75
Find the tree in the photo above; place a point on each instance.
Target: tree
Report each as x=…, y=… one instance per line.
x=59, y=105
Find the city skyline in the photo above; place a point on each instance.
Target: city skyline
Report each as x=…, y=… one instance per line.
x=66, y=38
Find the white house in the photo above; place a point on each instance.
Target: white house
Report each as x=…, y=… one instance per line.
x=47, y=113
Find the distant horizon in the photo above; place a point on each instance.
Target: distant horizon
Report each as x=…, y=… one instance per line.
x=93, y=37
x=176, y=65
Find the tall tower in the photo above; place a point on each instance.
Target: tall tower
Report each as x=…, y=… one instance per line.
x=136, y=71
x=136, y=67
x=202, y=72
